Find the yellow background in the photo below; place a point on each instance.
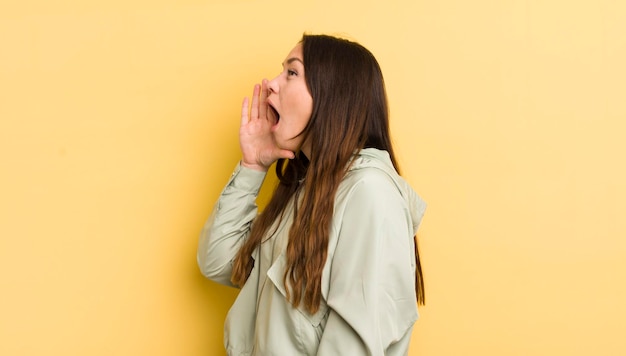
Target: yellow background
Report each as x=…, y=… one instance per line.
x=118, y=129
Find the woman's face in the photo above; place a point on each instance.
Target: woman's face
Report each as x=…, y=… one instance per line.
x=289, y=100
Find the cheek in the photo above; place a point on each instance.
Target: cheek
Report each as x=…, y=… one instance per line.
x=299, y=107
x=305, y=105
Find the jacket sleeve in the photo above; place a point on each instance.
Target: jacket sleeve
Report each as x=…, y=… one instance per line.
x=371, y=293
x=229, y=224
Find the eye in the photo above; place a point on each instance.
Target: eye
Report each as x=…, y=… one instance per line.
x=291, y=73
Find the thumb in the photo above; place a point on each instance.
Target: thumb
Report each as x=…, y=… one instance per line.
x=286, y=154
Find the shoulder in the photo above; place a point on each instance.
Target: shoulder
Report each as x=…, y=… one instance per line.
x=372, y=171
x=370, y=179
x=369, y=188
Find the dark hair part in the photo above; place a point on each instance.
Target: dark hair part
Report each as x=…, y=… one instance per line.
x=349, y=113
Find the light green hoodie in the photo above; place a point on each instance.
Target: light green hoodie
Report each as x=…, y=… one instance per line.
x=368, y=282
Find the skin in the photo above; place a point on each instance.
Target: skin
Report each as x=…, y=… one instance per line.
x=263, y=137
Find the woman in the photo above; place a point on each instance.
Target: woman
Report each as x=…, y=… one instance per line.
x=330, y=267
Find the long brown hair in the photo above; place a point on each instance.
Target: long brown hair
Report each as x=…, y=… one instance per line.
x=349, y=113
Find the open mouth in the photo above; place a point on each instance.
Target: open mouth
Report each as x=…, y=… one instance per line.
x=273, y=114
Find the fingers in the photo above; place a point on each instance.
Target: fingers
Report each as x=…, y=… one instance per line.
x=254, y=113
x=244, y=111
x=259, y=104
x=263, y=103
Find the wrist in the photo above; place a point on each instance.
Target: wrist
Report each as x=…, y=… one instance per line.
x=255, y=167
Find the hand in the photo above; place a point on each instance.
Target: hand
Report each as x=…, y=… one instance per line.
x=255, y=137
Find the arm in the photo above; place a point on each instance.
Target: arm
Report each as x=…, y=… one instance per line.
x=229, y=224
x=371, y=293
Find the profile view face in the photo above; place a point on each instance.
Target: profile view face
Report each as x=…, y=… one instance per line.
x=290, y=102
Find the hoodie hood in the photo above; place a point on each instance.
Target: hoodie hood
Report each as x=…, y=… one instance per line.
x=379, y=159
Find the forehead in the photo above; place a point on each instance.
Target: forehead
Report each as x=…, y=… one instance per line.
x=296, y=52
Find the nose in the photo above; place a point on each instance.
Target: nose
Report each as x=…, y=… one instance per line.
x=272, y=85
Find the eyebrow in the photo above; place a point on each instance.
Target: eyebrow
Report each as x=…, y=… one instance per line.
x=293, y=59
